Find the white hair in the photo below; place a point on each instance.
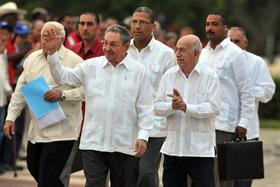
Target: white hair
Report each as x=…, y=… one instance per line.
x=57, y=25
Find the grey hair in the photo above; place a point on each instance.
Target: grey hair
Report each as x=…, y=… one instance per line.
x=241, y=30
x=57, y=25
x=196, y=45
x=125, y=35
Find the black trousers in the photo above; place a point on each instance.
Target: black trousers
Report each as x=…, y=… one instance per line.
x=176, y=169
x=123, y=169
x=45, y=161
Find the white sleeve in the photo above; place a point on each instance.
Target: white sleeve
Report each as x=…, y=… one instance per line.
x=65, y=76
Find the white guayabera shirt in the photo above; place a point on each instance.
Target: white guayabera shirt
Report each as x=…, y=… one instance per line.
x=119, y=103
x=157, y=59
x=191, y=133
x=263, y=89
x=237, y=100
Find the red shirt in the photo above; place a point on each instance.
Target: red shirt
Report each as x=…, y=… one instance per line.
x=12, y=72
x=95, y=51
x=71, y=40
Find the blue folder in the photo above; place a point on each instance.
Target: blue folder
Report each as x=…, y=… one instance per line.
x=33, y=93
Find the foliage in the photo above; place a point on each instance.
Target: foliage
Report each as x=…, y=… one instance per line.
x=270, y=123
x=258, y=17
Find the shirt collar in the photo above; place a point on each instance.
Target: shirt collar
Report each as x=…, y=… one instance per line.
x=60, y=52
x=223, y=43
x=125, y=62
x=96, y=45
x=151, y=45
x=197, y=69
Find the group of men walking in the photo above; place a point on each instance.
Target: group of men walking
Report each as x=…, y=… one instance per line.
x=139, y=103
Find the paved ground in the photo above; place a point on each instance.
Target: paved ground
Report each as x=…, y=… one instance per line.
x=271, y=141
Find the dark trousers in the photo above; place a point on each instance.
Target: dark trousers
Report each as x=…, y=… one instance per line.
x=45, y=161
x=149, y=163
x=243, y=183
x=176, y=169
x=7, y=153
x=123, y=169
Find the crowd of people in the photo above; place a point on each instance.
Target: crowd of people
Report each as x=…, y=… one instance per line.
x=130, y=93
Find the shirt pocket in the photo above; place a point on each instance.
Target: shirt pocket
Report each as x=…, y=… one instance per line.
x=123, y=136
x=96, y=87
x=201, y=97
x=92, y=133
x=199, y=142
x=32, y=75
x=155, y=74
x=127, y=91
x=53, y=130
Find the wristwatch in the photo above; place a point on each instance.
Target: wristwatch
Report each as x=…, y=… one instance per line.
x=62, y=97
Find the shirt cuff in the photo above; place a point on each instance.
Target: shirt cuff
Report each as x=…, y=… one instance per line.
x=11, y=117
x=143, y=134
x=191, y=109
x=243, y=123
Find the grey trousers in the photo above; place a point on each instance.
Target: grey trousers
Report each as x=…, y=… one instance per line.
x=149, y=164
x=222, y=136
x=123, y=168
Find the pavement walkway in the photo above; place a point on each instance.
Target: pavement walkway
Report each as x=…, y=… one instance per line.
x=271, y=146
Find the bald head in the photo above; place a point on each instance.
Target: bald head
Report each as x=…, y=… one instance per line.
x=192, y=42
x=238, y=36
x=188, y=50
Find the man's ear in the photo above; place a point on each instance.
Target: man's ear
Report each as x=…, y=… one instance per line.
x=154, y=27
x=127, y=45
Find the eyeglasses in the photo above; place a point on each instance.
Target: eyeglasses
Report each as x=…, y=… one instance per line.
x=181, y=50
x=90, y=23
x=108, y=44
x=140, y=22
x=235, y=41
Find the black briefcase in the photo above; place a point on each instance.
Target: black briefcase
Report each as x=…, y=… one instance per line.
x=240, y=160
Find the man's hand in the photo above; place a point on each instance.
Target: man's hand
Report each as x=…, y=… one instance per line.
x=177, y=101
x=51, y=41
x=53, y=95
x=9, y=129
x=240, y=132
x=140, y=148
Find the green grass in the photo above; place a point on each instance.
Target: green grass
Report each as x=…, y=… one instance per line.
x=270, y=123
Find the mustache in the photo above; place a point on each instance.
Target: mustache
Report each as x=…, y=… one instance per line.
x=210, y=32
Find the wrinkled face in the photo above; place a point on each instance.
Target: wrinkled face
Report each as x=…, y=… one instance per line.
x=141, y=26
x=113, y=47
x=215, y=29
x=185, y=56
x=45, y=37
x=237, y=37
x=87, y=27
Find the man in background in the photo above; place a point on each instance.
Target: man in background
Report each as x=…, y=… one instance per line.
x=157, y=58
x=263, y=86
